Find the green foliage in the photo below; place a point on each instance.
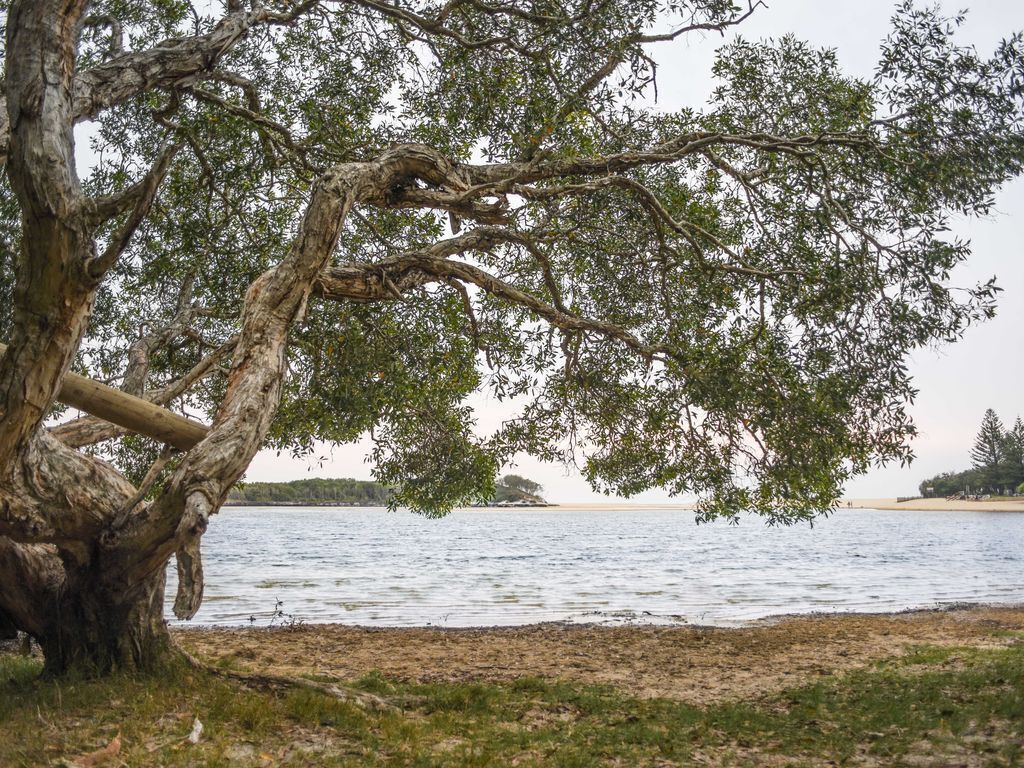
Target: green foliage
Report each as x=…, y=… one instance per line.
x=1013, y=454
x=786, y=286
x=950, y=483
x=520, y=483
x=987, y=453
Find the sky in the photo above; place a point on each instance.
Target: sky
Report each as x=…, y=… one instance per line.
x=956, y=383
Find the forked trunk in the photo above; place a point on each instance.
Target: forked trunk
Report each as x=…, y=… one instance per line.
x=101, y=630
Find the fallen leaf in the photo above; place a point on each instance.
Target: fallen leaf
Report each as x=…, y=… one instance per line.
x=100, y=756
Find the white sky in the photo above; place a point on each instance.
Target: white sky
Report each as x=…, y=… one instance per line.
x=957, y=383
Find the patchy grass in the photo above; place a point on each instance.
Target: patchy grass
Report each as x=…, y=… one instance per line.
x=935, y=706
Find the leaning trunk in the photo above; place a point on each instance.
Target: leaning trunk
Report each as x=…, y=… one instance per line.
x=96, y=629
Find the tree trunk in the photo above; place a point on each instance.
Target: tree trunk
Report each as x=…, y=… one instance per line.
x=8, y=631
x=95, y=631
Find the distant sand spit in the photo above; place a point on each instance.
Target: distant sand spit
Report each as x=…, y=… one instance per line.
x=939, y=505
x=916, y=505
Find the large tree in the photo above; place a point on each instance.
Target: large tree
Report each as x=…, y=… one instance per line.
x=988, y=453
x=1013, y=456
x=307, y=221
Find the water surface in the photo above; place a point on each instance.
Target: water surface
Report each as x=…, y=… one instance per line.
x=490, y=567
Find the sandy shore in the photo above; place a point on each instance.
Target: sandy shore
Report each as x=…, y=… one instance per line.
x=920, y=505
x=692, y=664
x=938, y=505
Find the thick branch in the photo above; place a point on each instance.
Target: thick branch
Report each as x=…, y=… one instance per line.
x=90, y=430
x=60, y=496
x=171, y=63
x=274, y=302
x=370, y=281
x=52, y=301
x=127, y=411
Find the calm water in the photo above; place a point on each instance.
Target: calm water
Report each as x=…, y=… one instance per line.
x=481, y=567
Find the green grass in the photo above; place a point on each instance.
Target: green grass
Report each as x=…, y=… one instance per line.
x=943, y=705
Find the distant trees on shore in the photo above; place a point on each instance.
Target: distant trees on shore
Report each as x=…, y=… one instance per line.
x=345, y=491
x=997, y=462
x=312, y=491
x=516, y=488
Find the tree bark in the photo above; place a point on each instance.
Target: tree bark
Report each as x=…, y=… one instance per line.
x=96, y=627
x=8, y=630
x=84, y=613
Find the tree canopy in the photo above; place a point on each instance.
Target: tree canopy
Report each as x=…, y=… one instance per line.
x=307, y=221
x=520, y=483
x=722, y=303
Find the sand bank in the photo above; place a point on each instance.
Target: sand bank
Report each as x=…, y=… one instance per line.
x=939, y=505
x=921, y=505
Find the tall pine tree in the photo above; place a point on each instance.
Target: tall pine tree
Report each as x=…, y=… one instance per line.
x=1013, y=455
x=988, y=453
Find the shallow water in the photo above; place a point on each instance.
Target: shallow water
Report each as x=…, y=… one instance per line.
x=489, y=567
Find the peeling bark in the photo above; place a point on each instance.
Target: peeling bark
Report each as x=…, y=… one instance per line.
x=52, y=299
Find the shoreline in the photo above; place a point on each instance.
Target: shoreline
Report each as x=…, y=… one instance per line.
x=936, y=505
x=883, y=504
x=639, y=623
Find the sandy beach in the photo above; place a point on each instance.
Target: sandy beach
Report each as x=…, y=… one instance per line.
x=919, y=505
x=939, y=505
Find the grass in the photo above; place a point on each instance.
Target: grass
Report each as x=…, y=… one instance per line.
x=935, y=706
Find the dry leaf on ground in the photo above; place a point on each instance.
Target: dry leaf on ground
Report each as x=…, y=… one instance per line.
x=100, y=756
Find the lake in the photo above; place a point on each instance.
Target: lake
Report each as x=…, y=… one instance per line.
x=490, y=567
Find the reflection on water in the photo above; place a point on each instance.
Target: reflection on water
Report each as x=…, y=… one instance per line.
x=484, y=567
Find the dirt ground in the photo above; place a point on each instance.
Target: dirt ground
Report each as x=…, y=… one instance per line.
x=697, y=665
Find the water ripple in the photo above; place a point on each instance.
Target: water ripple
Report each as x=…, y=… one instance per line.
x=488, y=567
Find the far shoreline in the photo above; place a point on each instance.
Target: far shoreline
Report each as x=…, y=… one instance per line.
x=882, y=504
x=936, y=505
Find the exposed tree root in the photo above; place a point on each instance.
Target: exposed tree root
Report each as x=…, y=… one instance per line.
x=269, y=682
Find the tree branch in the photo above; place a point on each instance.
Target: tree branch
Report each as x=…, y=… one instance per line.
x=90, y=430
x=368, y=281
x=172, y=63
x=144, y=196
x=274, y=302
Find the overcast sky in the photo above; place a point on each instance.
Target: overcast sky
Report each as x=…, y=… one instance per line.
x=956, y=383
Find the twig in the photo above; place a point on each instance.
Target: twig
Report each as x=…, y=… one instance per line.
x=263, y=681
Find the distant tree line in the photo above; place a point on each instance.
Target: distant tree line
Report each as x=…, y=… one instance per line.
x=345, y=491
x=997, y=463
x=313, y=492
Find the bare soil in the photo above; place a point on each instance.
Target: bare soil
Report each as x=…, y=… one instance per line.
x=697, y=665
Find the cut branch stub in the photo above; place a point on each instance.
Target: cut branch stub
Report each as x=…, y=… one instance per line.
x=132, y=413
